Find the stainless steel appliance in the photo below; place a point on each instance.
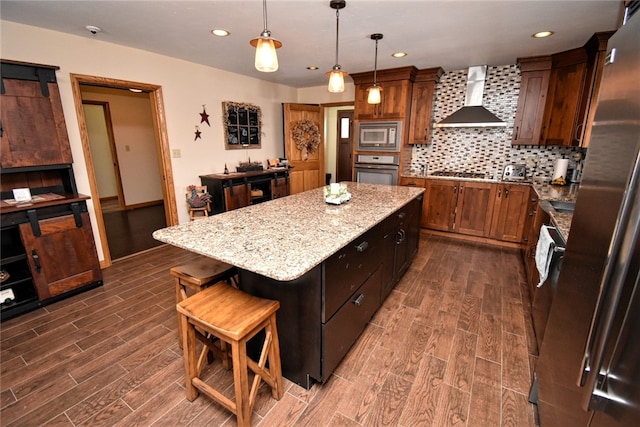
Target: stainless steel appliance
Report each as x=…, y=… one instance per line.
x=514, y=172
x=460, y=174
x=377, y=169
x=379, y=136
x=588, y=371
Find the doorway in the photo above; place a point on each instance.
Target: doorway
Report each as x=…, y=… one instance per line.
x=127, y=163
x=344, y=160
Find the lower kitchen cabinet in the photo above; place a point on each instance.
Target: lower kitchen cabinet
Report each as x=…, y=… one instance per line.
x=498, y=212
x=463, y=207
x=510, y=212
x=401, y=234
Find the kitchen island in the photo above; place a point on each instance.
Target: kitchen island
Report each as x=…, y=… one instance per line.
x=330, y=266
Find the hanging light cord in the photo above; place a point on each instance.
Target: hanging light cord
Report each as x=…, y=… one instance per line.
x=264, y=15
x=337, y=32
x=375, y=66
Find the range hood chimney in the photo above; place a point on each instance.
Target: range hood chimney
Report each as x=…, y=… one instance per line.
x=473, y=114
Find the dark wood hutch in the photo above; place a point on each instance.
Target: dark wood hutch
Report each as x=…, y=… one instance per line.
x=48, y=250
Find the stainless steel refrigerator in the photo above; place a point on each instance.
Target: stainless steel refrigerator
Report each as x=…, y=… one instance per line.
x=588, y=371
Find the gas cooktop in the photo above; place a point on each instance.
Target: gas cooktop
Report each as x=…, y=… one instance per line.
x=458, y=174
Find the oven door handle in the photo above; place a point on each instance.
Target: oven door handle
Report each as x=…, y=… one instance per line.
x=375, y=166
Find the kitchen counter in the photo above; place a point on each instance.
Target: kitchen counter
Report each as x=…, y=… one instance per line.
x=548, y=192
x=285, y=238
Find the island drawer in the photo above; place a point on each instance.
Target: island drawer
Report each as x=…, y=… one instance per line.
x=339, y=334
x=346, y=270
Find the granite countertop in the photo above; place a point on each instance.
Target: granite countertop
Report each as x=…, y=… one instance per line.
x=285, y=238
x=548, y=192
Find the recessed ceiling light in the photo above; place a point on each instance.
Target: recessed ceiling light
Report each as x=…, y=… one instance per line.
x=542, y=34
x=312, y=67
x=399, y=54
x=220, y=32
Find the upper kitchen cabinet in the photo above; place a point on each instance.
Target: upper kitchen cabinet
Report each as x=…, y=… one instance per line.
x=533, y=94
x=32, y=130
x=423, y=93
x=563, y=119
x=558, y=94
x=396, y=85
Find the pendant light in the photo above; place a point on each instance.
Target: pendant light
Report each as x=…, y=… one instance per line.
x=336, y=75
x=266, y=57
x=374, y=96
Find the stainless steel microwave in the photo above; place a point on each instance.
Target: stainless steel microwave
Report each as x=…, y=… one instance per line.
x=379, y=136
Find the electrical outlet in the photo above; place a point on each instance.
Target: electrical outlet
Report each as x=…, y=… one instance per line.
x=127, y=148
x=175, y=153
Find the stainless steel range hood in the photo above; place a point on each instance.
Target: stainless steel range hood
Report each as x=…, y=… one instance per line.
x=473, y=114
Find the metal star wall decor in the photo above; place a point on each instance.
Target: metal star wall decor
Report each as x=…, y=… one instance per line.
x=198, y=133
x=204, y=117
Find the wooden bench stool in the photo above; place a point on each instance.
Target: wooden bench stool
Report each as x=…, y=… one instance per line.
x=197, y=276
x=234, y=317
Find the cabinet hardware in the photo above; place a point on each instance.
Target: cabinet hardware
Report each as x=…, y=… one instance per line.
x=517, y=132
x=35, y=225
x=36, y=260
x=1, y=129
x=426, y=132
x=362, y=246
x=499, y=193
x=455, y=188
x=401, y=215
x=506, y=193
x=358, y=301
x=75, y=208
x=578, y=132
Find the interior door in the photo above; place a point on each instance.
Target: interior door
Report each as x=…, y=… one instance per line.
x=344, y=170
x=307, y=165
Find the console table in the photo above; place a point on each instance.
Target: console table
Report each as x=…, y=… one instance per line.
x=239, y=189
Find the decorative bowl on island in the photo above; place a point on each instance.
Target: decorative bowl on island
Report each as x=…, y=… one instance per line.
x=336, y=194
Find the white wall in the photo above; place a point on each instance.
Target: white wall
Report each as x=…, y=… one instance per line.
x=135, y=142
x=186, y=88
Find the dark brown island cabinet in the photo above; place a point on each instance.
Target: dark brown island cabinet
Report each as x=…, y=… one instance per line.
x=48, y=251
x=323, y=312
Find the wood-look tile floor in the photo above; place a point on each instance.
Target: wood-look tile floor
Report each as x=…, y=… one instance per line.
x=451, y=346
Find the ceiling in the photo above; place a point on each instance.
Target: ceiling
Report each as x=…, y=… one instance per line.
x=452, y=34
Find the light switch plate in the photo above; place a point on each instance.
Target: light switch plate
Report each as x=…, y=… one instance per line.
x=175, y=153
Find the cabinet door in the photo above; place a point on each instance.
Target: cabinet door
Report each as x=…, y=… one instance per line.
x=510, y=212
x=564, y=99
x=530, y=110
x=63, y=256
x=34, y=132
x=474, y=208
x=237, y=196
x=279, y=188
x=394, y=101
x=421, y=112
x=441, y=204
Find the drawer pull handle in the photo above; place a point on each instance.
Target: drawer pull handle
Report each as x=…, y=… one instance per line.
x=358, y=301
x=362, y=246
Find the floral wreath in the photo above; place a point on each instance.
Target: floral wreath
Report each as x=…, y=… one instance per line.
x=306, y=135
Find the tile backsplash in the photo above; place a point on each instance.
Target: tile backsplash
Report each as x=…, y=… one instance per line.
x=484, y=150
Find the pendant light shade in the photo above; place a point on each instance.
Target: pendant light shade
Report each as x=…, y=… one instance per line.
x=266, y=57
x=336, y=75
x=375, y=95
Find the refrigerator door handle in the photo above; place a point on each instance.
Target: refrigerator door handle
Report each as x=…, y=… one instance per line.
x=623, y=243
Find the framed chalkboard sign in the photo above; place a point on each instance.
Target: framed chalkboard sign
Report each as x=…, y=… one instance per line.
x=242, y=125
